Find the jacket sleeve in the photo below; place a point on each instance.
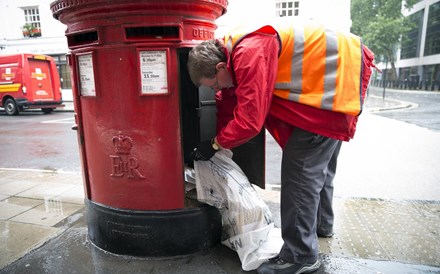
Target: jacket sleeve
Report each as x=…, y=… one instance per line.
x=254, y=65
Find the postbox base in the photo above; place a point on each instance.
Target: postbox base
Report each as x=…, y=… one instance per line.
x=153, y=233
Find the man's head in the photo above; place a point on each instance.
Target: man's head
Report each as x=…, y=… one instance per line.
x=207, y=65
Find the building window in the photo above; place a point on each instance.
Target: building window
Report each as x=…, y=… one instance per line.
x=432, y=42
x=32, y=17
x=32, y=26
x=411, y=40
x=287, y=8
x=431, y=73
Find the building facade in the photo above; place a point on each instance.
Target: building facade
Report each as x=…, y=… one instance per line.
x=418, y=56
x=27, y=26
x=335, y=13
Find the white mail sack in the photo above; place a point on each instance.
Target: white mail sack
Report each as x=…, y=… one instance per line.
x=247, y=220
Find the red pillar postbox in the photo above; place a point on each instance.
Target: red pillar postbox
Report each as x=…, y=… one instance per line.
x=137, y=118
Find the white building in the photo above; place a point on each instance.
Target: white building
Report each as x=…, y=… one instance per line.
x=335, y=13
x=50, y=39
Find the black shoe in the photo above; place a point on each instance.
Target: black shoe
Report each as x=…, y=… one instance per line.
x=325, y=235
x=279, y=266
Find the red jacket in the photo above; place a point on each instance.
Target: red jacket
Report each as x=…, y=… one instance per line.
x=242, y=111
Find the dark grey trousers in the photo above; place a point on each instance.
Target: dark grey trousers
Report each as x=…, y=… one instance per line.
x=307, y=171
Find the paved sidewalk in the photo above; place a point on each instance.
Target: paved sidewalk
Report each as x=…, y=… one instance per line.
x=43, y=231
x=35, y=206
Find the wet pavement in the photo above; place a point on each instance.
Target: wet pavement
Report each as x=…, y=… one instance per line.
x=43, y=229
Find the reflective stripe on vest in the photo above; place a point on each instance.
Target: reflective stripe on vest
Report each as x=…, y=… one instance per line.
x=318, y=67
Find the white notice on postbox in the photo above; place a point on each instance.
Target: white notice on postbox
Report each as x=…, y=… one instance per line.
x=154, y=79
x=86, y=75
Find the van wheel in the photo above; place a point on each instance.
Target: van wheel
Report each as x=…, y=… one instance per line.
x=11, y=107
x=47, y=110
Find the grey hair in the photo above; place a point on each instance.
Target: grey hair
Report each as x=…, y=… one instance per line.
x=203, y=58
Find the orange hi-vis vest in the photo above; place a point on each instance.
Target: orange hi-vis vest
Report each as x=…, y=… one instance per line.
x=316, y=66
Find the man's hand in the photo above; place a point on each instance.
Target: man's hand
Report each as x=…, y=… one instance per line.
x=204, y=151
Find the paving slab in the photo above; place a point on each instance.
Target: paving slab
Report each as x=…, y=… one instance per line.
x=18, y=239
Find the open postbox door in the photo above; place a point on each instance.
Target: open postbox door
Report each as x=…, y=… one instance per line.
x=249, y=156
x=199, y=124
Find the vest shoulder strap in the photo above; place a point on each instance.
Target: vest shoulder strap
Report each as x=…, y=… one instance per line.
x=233, y=38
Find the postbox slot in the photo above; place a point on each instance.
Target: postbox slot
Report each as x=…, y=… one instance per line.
x=84, y=38
x=153, y=32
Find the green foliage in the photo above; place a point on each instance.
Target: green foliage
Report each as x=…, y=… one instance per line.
x=380, y=23
x=28, y=27
x=382, y=26
x=30, y=31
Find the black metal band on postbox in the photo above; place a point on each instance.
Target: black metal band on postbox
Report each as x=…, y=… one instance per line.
x=153, y=233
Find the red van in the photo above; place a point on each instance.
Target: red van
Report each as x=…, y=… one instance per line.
x=29, y=81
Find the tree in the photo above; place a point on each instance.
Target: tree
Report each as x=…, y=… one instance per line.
x=381, y=24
